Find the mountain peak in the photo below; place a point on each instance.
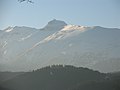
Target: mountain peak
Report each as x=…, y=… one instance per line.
x=55, y=25
x=54, y=21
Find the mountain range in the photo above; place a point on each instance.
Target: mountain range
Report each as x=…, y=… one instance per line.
x=24, y=48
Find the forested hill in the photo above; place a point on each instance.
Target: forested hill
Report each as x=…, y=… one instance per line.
x=63, y=77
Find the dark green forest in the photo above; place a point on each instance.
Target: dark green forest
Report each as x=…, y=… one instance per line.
x=60, y=77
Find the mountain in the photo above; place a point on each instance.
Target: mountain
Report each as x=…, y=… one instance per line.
x=24, y=48
x=63, y=77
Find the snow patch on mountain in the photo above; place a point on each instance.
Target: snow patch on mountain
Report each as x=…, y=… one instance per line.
x=63, y=52
x=70, y=45
x=9, y=29
x=5, y=52
x=5, y=43
x=74, y=27
x=67, y=31
x=24, y=38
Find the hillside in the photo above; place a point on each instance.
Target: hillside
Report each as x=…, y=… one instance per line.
x=4, y=76
x=111, y=82
x=62, y=77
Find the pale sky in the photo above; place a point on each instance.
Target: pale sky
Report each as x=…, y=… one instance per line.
x=104, y=13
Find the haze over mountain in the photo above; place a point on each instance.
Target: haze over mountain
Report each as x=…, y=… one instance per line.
x=25, y=48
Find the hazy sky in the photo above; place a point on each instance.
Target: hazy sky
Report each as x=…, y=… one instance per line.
x=80, y=12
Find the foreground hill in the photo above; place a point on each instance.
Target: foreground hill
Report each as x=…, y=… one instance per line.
x=4, y=76
x=110, y=83
x=59, y=77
